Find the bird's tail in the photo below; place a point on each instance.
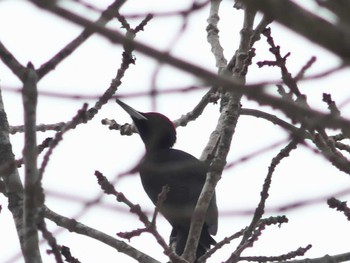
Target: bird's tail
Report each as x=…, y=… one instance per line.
x=178, y=239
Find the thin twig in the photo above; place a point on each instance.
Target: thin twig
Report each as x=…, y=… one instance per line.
x=227, y=240
x=105, y=17
x=108, y=188
x=327, y=98
x=339, y=206
x=68, y=256
x=197, y=110
x=325, y=259
x=298, y=252
x=277, y=121
x=80, y=117
x=40, y=127
x=301, y=73
x=259, y=211
x=51, y=240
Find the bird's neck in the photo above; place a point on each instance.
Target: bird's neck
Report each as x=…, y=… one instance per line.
x=154, y=148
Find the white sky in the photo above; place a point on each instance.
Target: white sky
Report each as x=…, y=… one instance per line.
x=34, y=35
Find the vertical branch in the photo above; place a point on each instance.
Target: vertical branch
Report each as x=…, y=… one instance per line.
x=227, y=123
x=222, y=136
x=213, y=35
x=13, y=187
x=208, y=190
x=221, y=63
x=33, y=197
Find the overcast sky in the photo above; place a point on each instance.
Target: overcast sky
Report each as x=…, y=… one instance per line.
x=35, y=35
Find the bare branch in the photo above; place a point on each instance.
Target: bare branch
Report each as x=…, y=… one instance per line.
x=281, y=63
x=327, y=98
x=327, y=147
x=80, y=117
x=339, y=8
x=128, y=129
x=105, y=17
x=68, y=256
x=108, y=188
x=12, y=184
x=299, y=252
x=262, y=224
x=81, y=96
x=220, y=139
x=213, y=35
x=82, y=229
x=33, y=192
x=277, y=121
x=196, y=6
x=301, y=73
x=260, y=210
x=197, y=110
x=325, y=259
x=226, y=126
x=253, y=92
x=12, y=63
x=228, y=84
x=85, y=115
x=40, y=127
x=51, y=240
x=339, y=206
x=335, y=39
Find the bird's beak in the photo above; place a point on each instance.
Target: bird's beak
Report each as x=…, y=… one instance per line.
x=132, y=112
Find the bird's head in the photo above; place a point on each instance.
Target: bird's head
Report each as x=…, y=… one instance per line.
x=155, y=129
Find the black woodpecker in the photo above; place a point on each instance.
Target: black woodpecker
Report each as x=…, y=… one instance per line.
x=183, y=173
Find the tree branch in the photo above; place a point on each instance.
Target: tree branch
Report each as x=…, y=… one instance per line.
x=33, y=193
x=108, y=188
x=254, y=92
x=277, y=121
x=105, y=17
x=11, y=62
x=74, y=226
x=325, y=259
x=213, y=35
x=220, y=139
x=260, y=210
x=39, y=127
x=13, y=187
x=334, y=38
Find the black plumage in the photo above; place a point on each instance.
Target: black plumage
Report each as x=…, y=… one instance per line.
x=183, y=173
